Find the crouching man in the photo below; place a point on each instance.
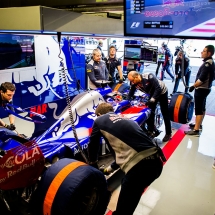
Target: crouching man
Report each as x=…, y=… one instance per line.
x=134, y=152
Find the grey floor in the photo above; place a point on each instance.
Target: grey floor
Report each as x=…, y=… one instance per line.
x=187, y=183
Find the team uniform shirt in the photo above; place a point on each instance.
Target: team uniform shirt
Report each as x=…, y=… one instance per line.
x=112, y=64
x=206, y=73
x=128, y=149
x=150, y=85
x=3, y=103
x=168, y=57
x=178, y=65
x=161, y=54
x=96, y=71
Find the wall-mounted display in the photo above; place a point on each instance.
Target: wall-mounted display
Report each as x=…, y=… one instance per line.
x=170, y=18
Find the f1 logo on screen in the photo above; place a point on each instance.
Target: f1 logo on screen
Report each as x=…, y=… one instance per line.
x=135, y=25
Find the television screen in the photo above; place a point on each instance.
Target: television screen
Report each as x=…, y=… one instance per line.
x=149, y=54
x=132, y=52
x=170, y=18
x=16, y=51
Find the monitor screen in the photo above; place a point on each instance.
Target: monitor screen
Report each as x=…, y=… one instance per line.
x=16, y=51
x=170, y=18
x=149, y=54
x=132, y=52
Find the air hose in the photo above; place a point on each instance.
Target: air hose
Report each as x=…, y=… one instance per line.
x=68, y=101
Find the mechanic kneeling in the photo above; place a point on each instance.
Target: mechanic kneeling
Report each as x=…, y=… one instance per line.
x=134, y=152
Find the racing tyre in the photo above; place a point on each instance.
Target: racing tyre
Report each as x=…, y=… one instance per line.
x=181, y=107
x=71, y=187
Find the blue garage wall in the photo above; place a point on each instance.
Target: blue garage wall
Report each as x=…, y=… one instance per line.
x=42, y=82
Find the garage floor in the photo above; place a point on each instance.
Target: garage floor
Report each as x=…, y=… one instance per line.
x=187, y=183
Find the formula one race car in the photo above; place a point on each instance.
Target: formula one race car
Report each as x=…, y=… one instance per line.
x=35, y=171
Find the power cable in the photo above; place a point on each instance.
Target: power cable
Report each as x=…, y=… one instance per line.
x=64, y=77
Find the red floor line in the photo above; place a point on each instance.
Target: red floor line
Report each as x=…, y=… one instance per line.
x=170, y=147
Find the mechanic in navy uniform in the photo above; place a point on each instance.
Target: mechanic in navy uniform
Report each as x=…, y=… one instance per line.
x=167, y=63
x=158, y=92
x=202, y=86
x=113, y=63
x=7, y=91
x=96, y=70
x=178, y=74
x=134, y=152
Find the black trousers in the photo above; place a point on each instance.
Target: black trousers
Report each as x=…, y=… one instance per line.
x=134, y=183
x=158, y=67
x=200, y=96
x=163, y=100
x=187, y=81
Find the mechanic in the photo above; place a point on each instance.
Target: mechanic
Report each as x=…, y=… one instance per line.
x=100, y=45
x=135, y=154
x=149, y=84
x=187, y=71
x=7, y=91
x=202, y=86
x=96, y=70
x=167, y=63
x=112, y=63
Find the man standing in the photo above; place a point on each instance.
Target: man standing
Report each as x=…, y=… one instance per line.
x=167, y=63
x=96, y=70
x=161, y=58
x=135, y=154
x=148, y=83
x=178, y=65
x=7, y=91
x=202, y=86
x=112, y=63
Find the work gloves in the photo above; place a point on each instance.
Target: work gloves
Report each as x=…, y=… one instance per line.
x=148, y=103
x=120, y=80
x=107, y=171
x=11, y=127
x=191, y=89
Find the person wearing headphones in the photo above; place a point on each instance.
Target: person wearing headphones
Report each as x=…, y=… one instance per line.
x=7, y=91
x=113, y=63
x=96, y=70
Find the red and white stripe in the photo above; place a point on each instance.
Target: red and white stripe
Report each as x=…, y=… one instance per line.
x=205, y=29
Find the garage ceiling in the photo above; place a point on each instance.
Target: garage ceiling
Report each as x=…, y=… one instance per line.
x=104, y=8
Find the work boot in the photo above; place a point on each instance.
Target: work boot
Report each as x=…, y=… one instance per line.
x=194, y=133
x=192, y=125
x=167, y=137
